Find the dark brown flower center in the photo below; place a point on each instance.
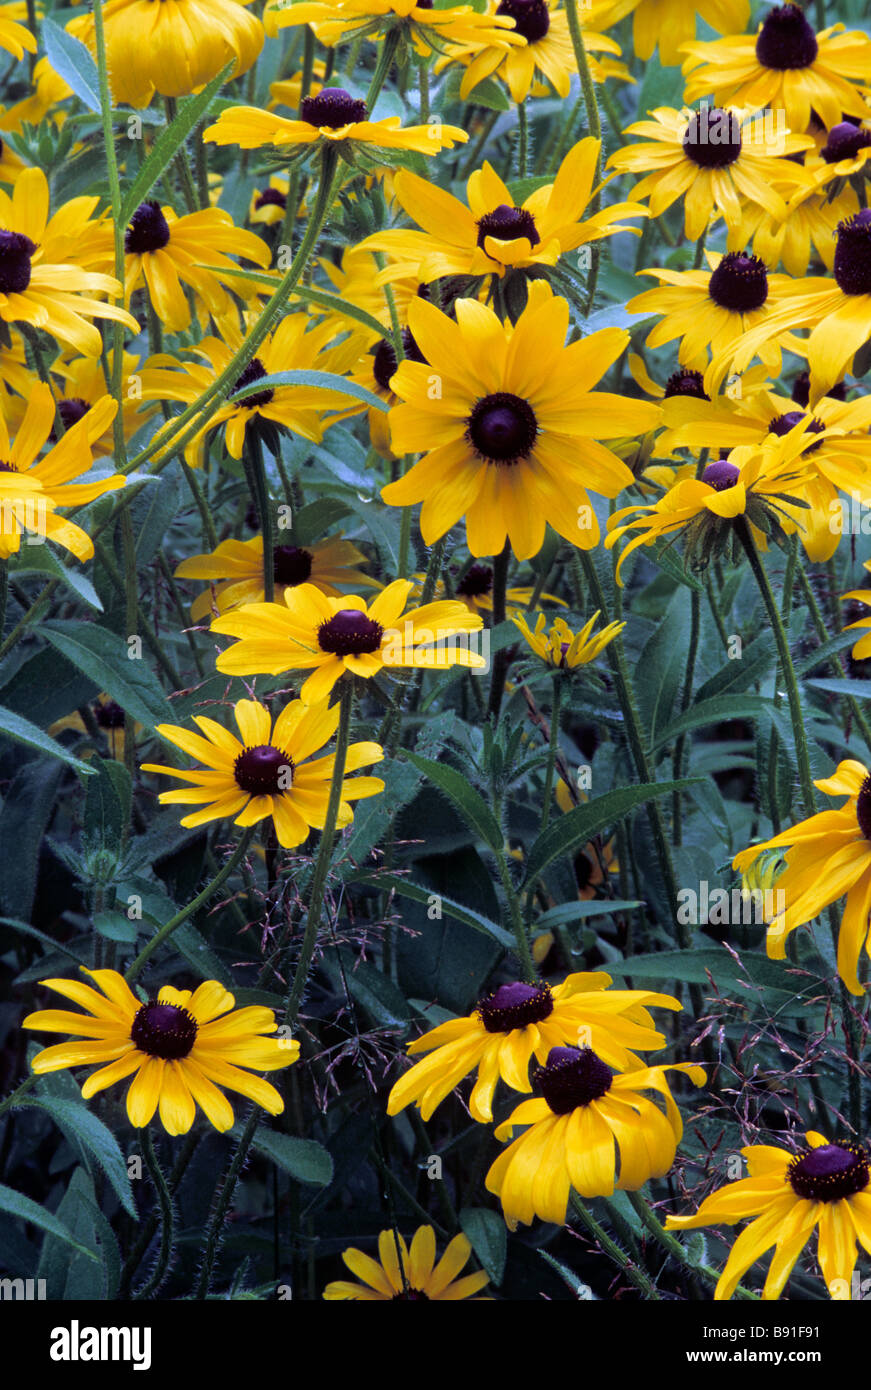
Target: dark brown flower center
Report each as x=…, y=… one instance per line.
x=350, y=633
x=413, y=1295
x=801, y=389
x=263, y=770
x=502, y=428
x=514, y=1006
x=507, y=224
x=290, y=565
x=844, y=142
x=863, y=808
x=334, y=108
x=572, y=1077
x=71, y=410
x=853, y=254
x=477, y=581
x=531, y=17
x=164, y=1030
x=16, y=250
x=270, y=198
x=255, y=371
x=6, y=467
x=385, y=364
x=721, y=475
x=712, y=138
x=739, y=283
x=786, y=40
x=686, y=382
x=782, y=424
x=829, y=1173
x=108, y=715
x=148, y=230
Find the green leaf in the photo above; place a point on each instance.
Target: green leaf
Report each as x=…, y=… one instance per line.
x=661, y=665
x=486, y=1232
x=47, y=687
x=339, y=306
x=859, y=690
x=107, y=804
x=471, y=806
x=405, y=889
x=22, y=731
x=82, y=1127
x=303, y=1159
x=581, y=911
x=374, y=992
x=312, y=522
x=78, y=1278
x=27, y=808
x=168, y=142
x=116, y=926
x=720, y=710
x=581, y=824
x=104, y=656
x=72, y=61
x=328, y=381
x=18, y=1205
x=44, y=561
x=728, y=971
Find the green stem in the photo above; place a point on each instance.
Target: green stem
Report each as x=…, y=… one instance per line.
x=114, y=181
x=522, y=140
x=386, y=54
x=256, y=470
x=222, y=1203
x=423, y=79
x=633, y=1273
x=167, y=1223
x=674, y=1247
x=594, y=125
x=500, y=660
x=686, y=697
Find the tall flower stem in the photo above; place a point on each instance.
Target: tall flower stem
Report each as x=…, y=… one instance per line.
x=786, y=666
x=547, y=795
x=114, y=181
x=632, y=1271
x=386, y=55
x=500, y=660
x=167, y=1221
x=686, y=697
x=255, y=471
x=209, y=891
x=674, y=1247
x=522, y=140
x=594, y=125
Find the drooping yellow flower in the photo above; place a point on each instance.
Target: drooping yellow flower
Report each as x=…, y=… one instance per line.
x=492, y=235
x=809, y=228
x=586, y=1112
x=420, y=24
x=784, y=67
x=862, y=648
x=509, y=425
x=335, y=635
x=236, y=571
x=790, y=1195
x=829, y=857
x=333, y=116
x=562, y=648
x=173, y=47
x=185, y=1048
x=33, y=488
x=520, y=1021
x=84, y=384
x=410, y=1275
x=266, y=773
x=670, y=23
x=14, y=37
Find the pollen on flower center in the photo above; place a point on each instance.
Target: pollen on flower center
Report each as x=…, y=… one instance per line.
x=506, y=224
x=255, y=371
x=350, y=633
x=863, y=808
x=148, y=230
x=164, y=1030
x=16, y=250
x=721, y=474
x=502, y=428
x=844, y=142
x=786, y=40
x=263, y=770
x=829, y=1173
x=515, y=1006
x=531, y=17
x=686, y=382
x=291, y=565
x=712, y=138
x=852, y=267
x=572, y=1077
x=477, y=581
x=333, y=107
x=739, y=283
x=782, y=424
x=384, y=364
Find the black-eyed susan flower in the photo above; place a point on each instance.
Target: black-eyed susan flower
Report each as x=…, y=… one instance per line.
x=809, y=229
x=862, y=649
x=509, y=425
x=790, y=1195
x=36, y=286
x=716, y=159
x=846, y=151
x=560, y=647
x=109, y=718
x=491, y=235
x=288, y=90
x=517, y=1022
x=475, y=589
x=415, y=22
x=412, y=1275
x=335, y=635
x=547, y=51
x=333, y=117
x=33, y=488
x=585, y=1113
x=85, y=383
x=787, y=67
x=185, y=1048
x=173, y=47
x=670, y=23
x=14, y=37
x=235, y=570
x=168, y=252
x=269, y=205
x=829, y=857
x=265, y=773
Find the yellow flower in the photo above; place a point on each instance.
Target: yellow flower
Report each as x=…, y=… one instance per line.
x=846, y=151
x=809, y=228
x=492, y=235
x=332, y=116
x=266, y=774
x=269, y=205
x=109, y=718
x=586, y=1111
x=509, y=425
x=14, y=38
x=413, y=1275
x=166, y=250
x=182, y=1047
x=475, y=590
x=862, y=648
x=173, y=47
x=784, y=67
x=560, y=646
x=84, y=384
x=518, y=1021
x=829, y=857
x=670, y=23
x=335, y=635
x=421, y=24
x=32, y=488
x=790, y=1195
x=237, y=566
